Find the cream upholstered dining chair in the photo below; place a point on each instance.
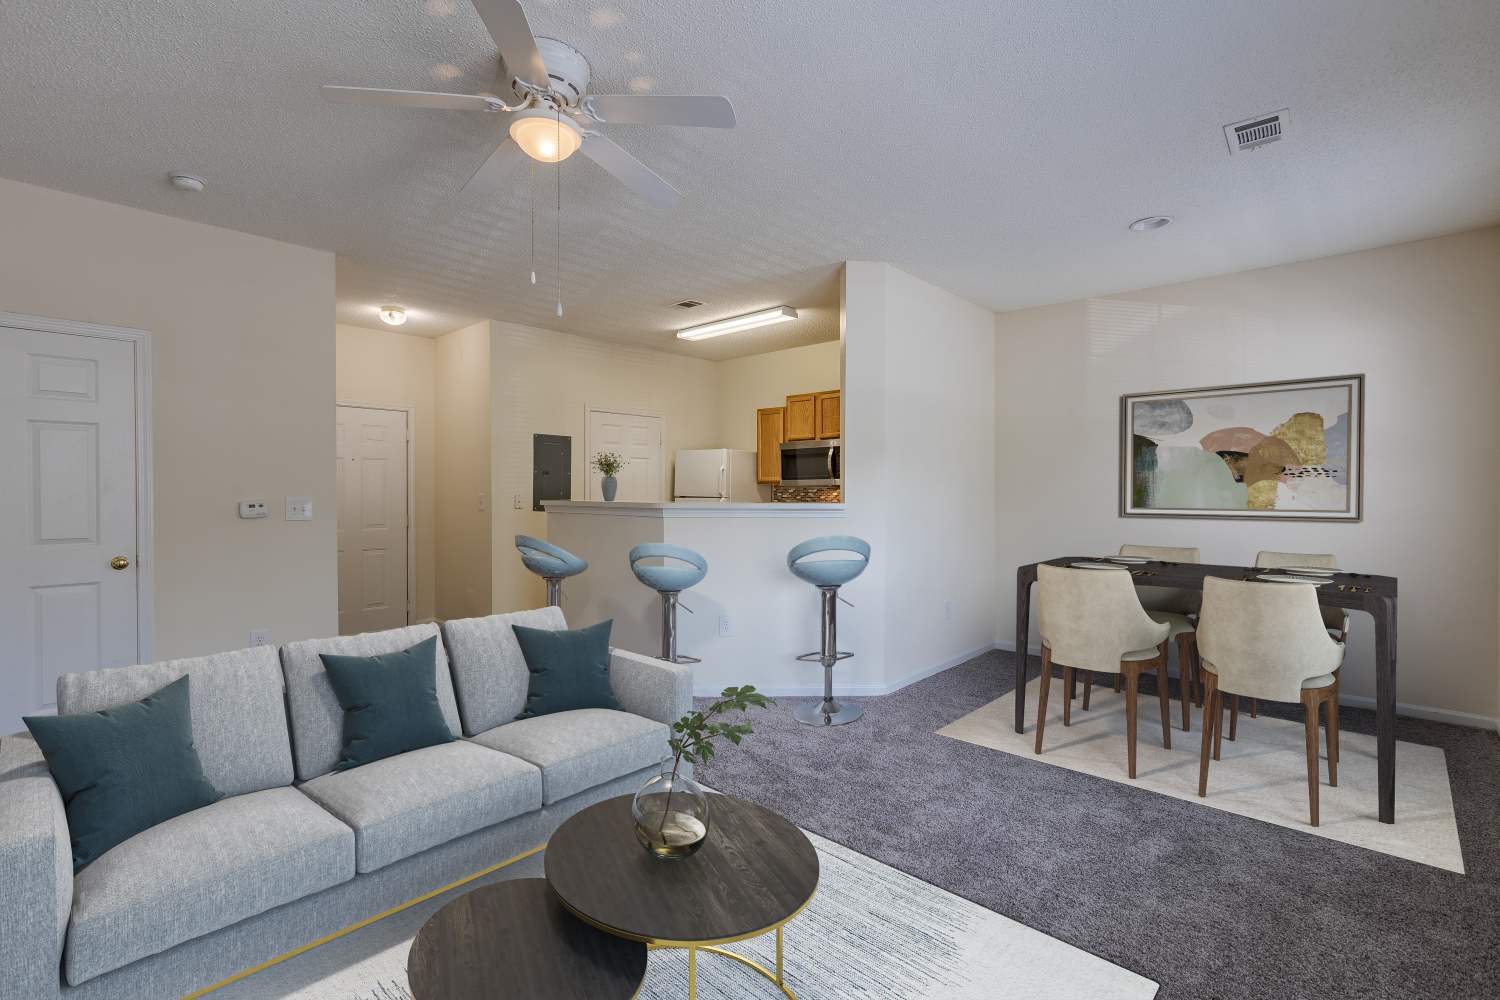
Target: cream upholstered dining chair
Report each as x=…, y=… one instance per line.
x=1336, y=619
x=1267, y=640
x=1091, y=620
x=1172, y=605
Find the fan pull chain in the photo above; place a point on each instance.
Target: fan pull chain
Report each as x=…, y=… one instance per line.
x=532, y=187
x=559, y=218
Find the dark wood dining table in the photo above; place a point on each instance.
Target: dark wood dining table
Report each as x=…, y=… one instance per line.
x=1374, y=595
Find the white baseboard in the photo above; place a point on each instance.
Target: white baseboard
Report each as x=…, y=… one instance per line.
x=1360, y=701
x=1427, y=712
x=858, y=690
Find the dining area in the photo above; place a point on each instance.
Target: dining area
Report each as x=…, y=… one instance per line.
x=1275, y=631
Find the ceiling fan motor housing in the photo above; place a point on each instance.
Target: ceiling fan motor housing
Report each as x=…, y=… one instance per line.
x=567, y=69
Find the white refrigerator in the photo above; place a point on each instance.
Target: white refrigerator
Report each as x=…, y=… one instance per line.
x=717, y=474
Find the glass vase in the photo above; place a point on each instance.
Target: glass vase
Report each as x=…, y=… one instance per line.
x=671, y=814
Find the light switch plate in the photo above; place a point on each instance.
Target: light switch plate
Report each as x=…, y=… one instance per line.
x=252, y=509
x=299, y=509
x=260, y=637
x=726, y=627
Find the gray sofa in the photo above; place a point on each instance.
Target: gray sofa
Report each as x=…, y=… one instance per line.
x=295, y=850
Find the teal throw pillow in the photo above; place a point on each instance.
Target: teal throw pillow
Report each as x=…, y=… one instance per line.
x=569, y=669
x=125, y=769
x=390, y=703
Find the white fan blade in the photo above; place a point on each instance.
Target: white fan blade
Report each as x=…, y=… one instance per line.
x=507, y=25
x=653, y=109
x=631, y=172
x=497, y=168
x=408, y=99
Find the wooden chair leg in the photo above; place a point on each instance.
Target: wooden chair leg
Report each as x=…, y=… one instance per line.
x=1117, y=683
x=1088, y=685
x=1130, y=670
x=1041, y=704
x=1254, y=708
x=1067, y=680
x=1234, y=719
x=1199, y=674
x=1185, y=680
x=1211, y=683
x=1310, y=700
x=1164, y=698
x=1333, y=734
x=1217, y=711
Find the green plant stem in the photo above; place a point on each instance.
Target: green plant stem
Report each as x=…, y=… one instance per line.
x=667, y=809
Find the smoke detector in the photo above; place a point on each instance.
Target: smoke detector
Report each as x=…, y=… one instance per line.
x=190, y=183
x=1252, y=133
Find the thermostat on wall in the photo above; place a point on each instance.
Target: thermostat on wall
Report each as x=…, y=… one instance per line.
x=251, y=509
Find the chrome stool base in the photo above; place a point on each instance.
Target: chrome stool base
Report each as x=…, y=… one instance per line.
x=554, y=591
x=679, y=658
x=817, y=657
x=827, y=713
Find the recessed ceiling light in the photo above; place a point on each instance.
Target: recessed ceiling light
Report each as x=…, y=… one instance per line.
x=393, y=315
x=185, y=182
x=1150, y=222
x=735, y=324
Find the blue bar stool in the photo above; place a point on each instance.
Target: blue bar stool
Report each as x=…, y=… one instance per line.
x=828, y=575
x=550, y=563
x=669, y=581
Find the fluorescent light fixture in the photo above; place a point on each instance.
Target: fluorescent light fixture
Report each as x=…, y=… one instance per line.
x=735, y=324
x=394, y=315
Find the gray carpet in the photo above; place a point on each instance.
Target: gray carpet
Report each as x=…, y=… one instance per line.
x=1211, y=905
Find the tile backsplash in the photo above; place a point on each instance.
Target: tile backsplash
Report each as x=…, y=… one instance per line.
x=807, y=494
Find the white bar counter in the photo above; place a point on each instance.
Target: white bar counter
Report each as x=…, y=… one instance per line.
x=770, y=616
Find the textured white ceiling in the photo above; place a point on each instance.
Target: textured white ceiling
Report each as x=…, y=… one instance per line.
x=994, y=148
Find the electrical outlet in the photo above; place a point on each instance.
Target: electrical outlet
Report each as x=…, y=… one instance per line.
x=484, y=503
x=517, y=502
x=726, y=628
x=260, y=637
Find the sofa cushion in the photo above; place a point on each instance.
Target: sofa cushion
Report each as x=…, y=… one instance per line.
x=488, y=668
x=239, y=714
x=405, y=804
x=580, y=749
x=200, y=872
x=390, y=703
x=125, y=769
x=316, y=715
x=569, y=668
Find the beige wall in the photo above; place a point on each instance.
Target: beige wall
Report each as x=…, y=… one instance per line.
x=242, y=338
x=760, y=380
x=542, y=383
x=385, y=368
x=1420, y=320
x=463, y=472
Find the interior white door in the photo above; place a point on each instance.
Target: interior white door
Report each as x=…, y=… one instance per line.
x=372, y=519
x=67, y=510
x=637, y=437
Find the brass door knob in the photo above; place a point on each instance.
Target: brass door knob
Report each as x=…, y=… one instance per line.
x=119, y=562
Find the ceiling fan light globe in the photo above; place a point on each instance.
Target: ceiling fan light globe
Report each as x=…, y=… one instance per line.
x=545, y=137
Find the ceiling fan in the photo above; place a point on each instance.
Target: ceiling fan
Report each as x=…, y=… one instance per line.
x=545, y=83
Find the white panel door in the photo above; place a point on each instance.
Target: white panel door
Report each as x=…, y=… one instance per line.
x=67, y=509
x=372, y=519
x=638, y=438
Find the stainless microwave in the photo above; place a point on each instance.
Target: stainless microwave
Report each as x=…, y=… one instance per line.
x=811, y=463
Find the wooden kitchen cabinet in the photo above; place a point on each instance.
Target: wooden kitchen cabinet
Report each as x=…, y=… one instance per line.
x=769, y=433
x=827, y=415
x=801, y=420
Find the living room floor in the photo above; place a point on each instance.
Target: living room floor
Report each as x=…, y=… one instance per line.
x=1211, y=905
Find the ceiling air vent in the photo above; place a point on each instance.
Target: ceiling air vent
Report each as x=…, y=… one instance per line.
x=688, y=304
x=1256, y=132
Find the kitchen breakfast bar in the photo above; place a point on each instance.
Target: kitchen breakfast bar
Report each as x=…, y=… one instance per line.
x=748, y=619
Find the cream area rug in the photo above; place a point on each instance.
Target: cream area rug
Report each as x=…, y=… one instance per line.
x=870, y=933
x=1262, y=774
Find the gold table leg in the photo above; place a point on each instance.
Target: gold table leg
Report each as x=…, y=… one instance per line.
x=692, y=974
x=778, y=957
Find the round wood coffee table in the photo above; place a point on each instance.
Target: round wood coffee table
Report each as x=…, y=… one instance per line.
x=755, y=873
x=513, y=940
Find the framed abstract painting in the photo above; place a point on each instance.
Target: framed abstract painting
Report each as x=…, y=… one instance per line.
x=1274, y=450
